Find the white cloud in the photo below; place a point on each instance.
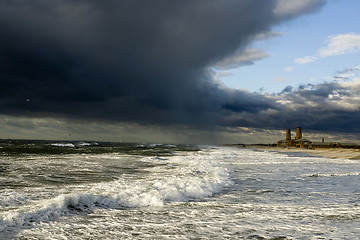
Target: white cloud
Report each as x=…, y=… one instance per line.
x=341, y=44
x=337, y=45
x=306, y=59
x=289, y=69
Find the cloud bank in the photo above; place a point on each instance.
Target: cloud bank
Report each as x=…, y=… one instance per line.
x=329, y=106
x=131, y=60
x=149, y=63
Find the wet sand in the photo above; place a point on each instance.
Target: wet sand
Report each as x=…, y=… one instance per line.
x=341, y=153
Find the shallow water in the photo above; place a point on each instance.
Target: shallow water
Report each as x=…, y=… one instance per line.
x=176, y=192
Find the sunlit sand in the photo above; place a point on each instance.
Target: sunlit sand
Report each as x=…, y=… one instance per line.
x=345, y=153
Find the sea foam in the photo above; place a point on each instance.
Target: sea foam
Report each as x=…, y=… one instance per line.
x=178, y=178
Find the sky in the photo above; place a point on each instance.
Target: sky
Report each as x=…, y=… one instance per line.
x=310, y=49
x=191, y=71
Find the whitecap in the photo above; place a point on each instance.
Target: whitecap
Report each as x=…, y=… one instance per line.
x=63, y=145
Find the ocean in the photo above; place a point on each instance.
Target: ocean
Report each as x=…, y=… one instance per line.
x=96, y=190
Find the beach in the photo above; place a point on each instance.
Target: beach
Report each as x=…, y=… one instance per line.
x=339, y=153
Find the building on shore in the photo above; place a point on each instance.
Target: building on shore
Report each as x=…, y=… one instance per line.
x=301, y=142
x=325, y=145
x=298, y=141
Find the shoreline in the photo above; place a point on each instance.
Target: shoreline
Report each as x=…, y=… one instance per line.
x=335, y=153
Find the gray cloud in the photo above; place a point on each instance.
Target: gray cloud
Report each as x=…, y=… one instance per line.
x=241, y=58
x=347, y=74
x=132, y=60
x=289, y=9
x=328, y=106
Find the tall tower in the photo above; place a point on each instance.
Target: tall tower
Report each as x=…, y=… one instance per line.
x=298, y=133
x=288, y=134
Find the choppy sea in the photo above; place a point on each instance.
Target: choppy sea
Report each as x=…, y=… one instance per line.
x=89, y=190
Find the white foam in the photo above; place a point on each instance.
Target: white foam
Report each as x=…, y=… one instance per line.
x=63, y=145
x=271, y=198
x=152, y=145
x=83, y=144
x=190, y=177
x=11, y=199
x=86, y=144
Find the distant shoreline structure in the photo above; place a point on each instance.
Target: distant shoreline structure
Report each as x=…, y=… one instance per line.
x=300, y=142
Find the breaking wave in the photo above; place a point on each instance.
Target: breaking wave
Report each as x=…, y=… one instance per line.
x=63, y=145
x=174, y=179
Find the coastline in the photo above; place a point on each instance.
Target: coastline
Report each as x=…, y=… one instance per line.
x=338, y=153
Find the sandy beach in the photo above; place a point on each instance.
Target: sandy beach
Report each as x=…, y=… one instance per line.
x=341, y=153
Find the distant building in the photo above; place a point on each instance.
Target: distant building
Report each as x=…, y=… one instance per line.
x=324, y=145
x=297, y=142
x=301, y=142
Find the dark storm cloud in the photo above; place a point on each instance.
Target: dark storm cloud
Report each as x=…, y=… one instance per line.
x=130, y=60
